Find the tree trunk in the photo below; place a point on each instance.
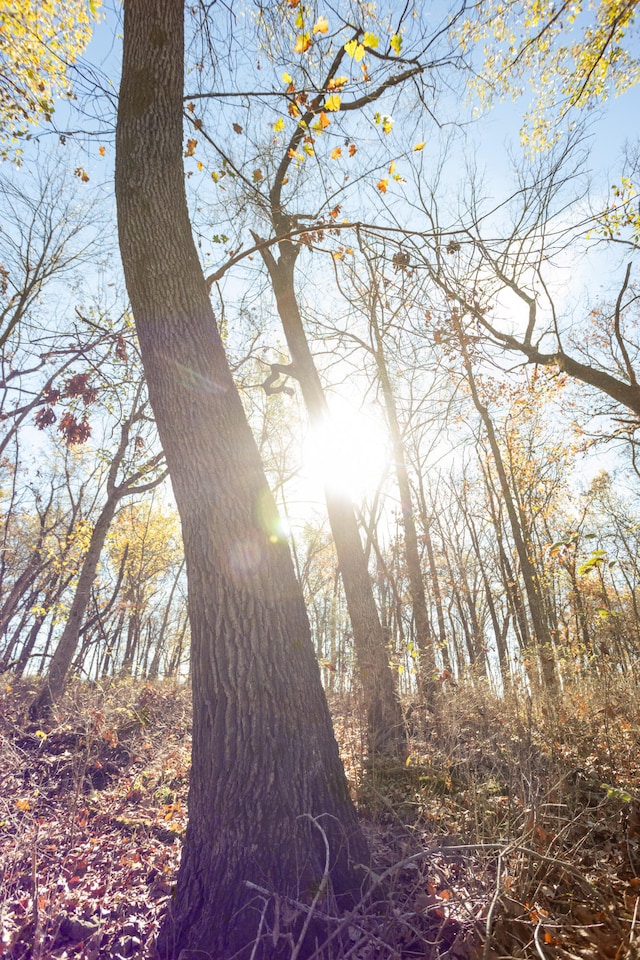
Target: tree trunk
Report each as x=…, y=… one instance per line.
x=542, y=635
x=56, y=679
x=266, y=777
x=384, y=715
x=424, y=638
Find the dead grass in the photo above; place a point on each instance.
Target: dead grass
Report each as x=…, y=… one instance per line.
x=512, y=832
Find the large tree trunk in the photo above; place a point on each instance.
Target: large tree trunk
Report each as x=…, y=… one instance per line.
x=265, y=761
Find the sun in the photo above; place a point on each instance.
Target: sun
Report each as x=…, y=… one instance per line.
x=348, y=453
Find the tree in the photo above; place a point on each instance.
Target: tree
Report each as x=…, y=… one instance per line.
x=571, y=58
x=137, y=479
x=39, y=40
x=267, y=786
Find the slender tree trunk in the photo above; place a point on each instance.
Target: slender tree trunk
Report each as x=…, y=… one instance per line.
x=384, y=715
x=267, y=786
x=412, y=553
x=544, y=647
x=56, y=678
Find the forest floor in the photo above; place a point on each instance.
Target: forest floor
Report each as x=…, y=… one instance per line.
x=513, y=830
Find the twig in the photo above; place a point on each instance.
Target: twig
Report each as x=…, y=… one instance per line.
x=536, y=940
x=322, y=886
x=260, y=926
x=633, y=922
x=490, y=911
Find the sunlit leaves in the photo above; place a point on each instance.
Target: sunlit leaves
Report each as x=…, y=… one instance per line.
x=529, y=41
x=396, y=43
x=278, y=125
x=336, y=152
x=321, y=25
x=382, y=185
x=419, y=146
x=337, y=83
x=621, y=219
x=332, y=103
x=355, y=50
x=39, y=40
x=383, y=120
x=303, y=42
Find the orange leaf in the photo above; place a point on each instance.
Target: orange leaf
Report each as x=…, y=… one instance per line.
x=101, y=151
x=352, y=149
x=382, y=185
x=336, y=152
x=302, y=43
x=236, y=128
x=323, y=120
x=191, y=148
x=322, y=25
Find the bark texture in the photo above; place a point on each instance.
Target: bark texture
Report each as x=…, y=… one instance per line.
x=266, y=775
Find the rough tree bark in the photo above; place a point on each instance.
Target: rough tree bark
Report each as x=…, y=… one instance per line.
x=266, y=774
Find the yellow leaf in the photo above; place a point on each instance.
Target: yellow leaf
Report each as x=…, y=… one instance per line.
x=294, y=155
x=355, y=50
x=321, y=26
x=382, y=185
x=392, y=167
x=308, y=149
x=396, y=43
x=337, y=83
x=387, y=124
x=335, y=153
x=278, y=125
x=419, y=146
x=23, y=805
x=200, y=166
x=299, y=20
x=332, y=103
x=370, y=40
x=286, y=78
x=302, y=43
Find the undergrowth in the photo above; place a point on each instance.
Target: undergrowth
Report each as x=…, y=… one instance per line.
x=512, y=831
